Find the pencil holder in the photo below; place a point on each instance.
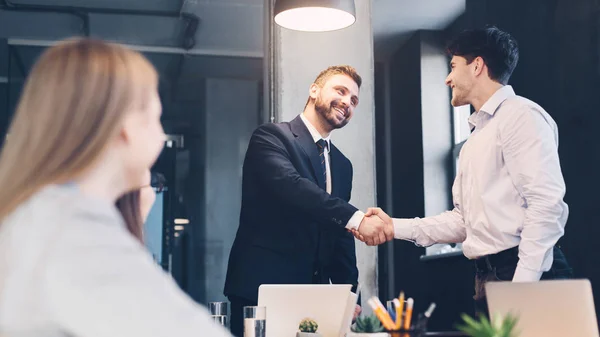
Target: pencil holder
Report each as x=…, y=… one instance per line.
x=407, y=333
x=417, y=330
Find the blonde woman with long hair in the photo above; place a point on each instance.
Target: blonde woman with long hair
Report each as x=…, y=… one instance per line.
x=86, y=130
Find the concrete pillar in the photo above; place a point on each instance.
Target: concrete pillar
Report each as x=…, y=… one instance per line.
x=296, y=59
x=229, y=125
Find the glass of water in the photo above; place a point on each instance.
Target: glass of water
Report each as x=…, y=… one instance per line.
x=220, y=319
x=219, y=312
x=218, y=308
x=255, y=321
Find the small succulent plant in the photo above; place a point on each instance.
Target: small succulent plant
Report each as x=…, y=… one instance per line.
x=498, y=327
x=367, y=324
x=308, y=325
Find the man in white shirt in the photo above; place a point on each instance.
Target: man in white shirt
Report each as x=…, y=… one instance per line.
x=508, y=193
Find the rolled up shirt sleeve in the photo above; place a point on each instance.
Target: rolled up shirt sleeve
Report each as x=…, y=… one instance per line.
x=447, y=227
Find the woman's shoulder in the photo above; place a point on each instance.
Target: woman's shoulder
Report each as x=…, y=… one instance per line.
x=61, y=205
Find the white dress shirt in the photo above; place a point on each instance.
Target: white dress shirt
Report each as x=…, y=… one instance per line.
x=508, y=191
x=69, y=267
x=356, y=219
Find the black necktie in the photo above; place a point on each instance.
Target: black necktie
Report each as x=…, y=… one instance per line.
x=322, y=145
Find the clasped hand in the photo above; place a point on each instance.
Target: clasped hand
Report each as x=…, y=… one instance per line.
x=375, y=228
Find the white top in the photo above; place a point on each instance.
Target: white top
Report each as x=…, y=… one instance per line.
x=358, y=216
x=508, y=191
x=316, y=137
x=69, y=267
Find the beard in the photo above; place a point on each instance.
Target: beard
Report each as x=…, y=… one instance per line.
x=330, y=115
x=457, y=101
x=459, y=96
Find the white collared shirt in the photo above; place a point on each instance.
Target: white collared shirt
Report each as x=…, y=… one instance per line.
x=508, y=191
x=356, y=219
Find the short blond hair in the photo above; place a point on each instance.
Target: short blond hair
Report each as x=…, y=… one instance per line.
x=336, y=70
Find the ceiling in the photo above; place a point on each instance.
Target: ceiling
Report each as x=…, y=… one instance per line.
x=227, y=41
x=395, y=20
x=228, y=29
x=225, y=28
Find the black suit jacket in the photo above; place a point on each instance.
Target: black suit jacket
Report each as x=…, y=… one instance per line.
x=291, y=230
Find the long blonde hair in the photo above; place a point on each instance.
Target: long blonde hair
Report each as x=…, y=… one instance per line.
x=70, y=108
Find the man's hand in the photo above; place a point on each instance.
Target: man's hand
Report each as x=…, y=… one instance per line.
x=375, y=228
x=380, y=214
x=377, y=234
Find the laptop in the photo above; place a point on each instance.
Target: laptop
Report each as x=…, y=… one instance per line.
x=555, y=308
x=288, y=304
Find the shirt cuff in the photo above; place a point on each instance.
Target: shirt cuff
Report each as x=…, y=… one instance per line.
x=403, y=229
x=526, y=275
x=355, y=220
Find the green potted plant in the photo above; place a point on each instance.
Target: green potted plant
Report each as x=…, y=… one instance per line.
x=499, y=327
x=308, y=328
x=367, y=326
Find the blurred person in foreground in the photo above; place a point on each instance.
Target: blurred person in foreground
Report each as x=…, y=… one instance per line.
x=86, y=130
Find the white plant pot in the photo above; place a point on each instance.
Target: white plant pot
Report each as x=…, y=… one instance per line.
x=307, y=334
x=374, y=334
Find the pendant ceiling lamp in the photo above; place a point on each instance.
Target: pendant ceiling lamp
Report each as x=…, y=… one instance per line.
x=315, y=15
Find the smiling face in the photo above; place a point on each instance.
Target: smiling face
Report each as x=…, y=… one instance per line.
x=461, y=80
x=335, y=101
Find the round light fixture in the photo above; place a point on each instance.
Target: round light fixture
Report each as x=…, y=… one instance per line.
x=315, y=15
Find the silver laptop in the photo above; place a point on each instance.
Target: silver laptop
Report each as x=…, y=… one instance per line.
x=559, y=308
x=288, y=304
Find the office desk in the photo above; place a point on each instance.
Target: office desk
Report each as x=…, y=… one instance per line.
x=434, y=334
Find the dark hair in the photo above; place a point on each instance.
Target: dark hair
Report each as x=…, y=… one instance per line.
x=336, y=70
x=498, y=49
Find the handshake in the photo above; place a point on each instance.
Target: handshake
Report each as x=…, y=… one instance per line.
x=375, y=228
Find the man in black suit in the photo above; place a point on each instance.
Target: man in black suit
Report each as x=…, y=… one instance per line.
x=295, y=217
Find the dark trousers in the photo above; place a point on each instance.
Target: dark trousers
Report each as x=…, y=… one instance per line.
x=237, y=314
x=502, y=266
